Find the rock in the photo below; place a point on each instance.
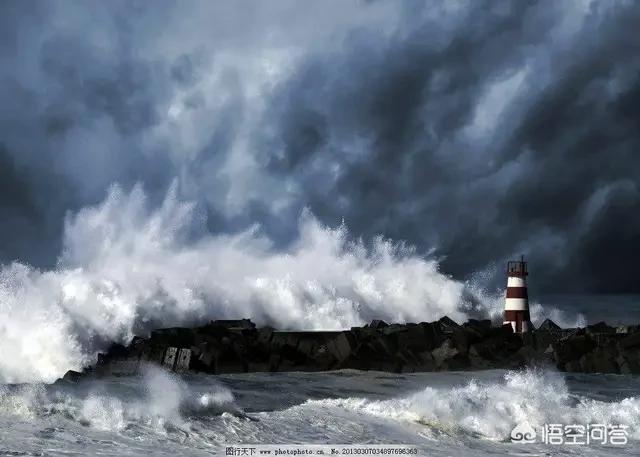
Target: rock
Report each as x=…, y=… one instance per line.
x=153, y=354
x=461, y=340
x=389, y=366
x=542, y=339
x=72, y=376
x=310, y=342
x=480, y=325
x=549, y=326
x=415, y=338
x=115, y=351
x=382, y=346
x=274, y=362
x=527, y=356
x=598, y=328
x=629, y=363
x=323, y=359
x=447, y=325
x=567, y=332
x=209, y=352
x=571, y=348
x=446, y=351
x=600, y=360
x=355, y=362
x=233, y=324
x=195, y=352
x=281, y=339
x=456, y=363
x=394, y=329
x=175, y=337
x=378, y=324
x=426, y=361
x=264, y=335
x=630, y=341
x=342, y=346
x=237, y=346
x=408, y=359
x=365, y=358
x=477, y=361
x=124, y=367
x=477, y=331
x=573, y=366
x=499, y=347
x=364, y=333
x=258, y=367
x=528, y=338
x=291, y=354
x=307, y=347
x=433, y=334
x=228, y=361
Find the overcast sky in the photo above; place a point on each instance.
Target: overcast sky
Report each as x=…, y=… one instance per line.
x=476, y=131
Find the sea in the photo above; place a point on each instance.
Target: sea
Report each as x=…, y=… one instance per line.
x=475, y=413
x=451, y=414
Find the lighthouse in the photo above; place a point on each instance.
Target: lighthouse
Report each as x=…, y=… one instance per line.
x=516, y=305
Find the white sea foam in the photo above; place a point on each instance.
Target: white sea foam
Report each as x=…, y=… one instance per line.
x=540, y=312
x=493, y=409
x=166, y=401
x=126, y=268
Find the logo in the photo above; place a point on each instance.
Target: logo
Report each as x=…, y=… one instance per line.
x=523, y=433
x=559, y=434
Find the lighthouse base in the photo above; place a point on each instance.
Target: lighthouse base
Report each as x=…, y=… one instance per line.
x=519, y=320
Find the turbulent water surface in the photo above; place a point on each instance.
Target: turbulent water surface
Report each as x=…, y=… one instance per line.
x=441, y=413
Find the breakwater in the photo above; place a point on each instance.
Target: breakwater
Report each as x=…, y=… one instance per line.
x=233, y=346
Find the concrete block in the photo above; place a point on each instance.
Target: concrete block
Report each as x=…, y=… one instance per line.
x=170, y=357
x=183, y=360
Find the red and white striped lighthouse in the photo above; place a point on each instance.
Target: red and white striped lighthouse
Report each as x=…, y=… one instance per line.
x=516, y=305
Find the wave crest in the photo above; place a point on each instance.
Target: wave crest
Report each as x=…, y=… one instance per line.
x=164, y=402
x=493, y=409
x=127, y=268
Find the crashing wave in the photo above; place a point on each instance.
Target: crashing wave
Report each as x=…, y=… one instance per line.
x=126, y=268
x=166, y=402
x=492, y=409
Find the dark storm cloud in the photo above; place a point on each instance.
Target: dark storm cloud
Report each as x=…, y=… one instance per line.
x=481, y=129
x=69, y=122
x=572, y=137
